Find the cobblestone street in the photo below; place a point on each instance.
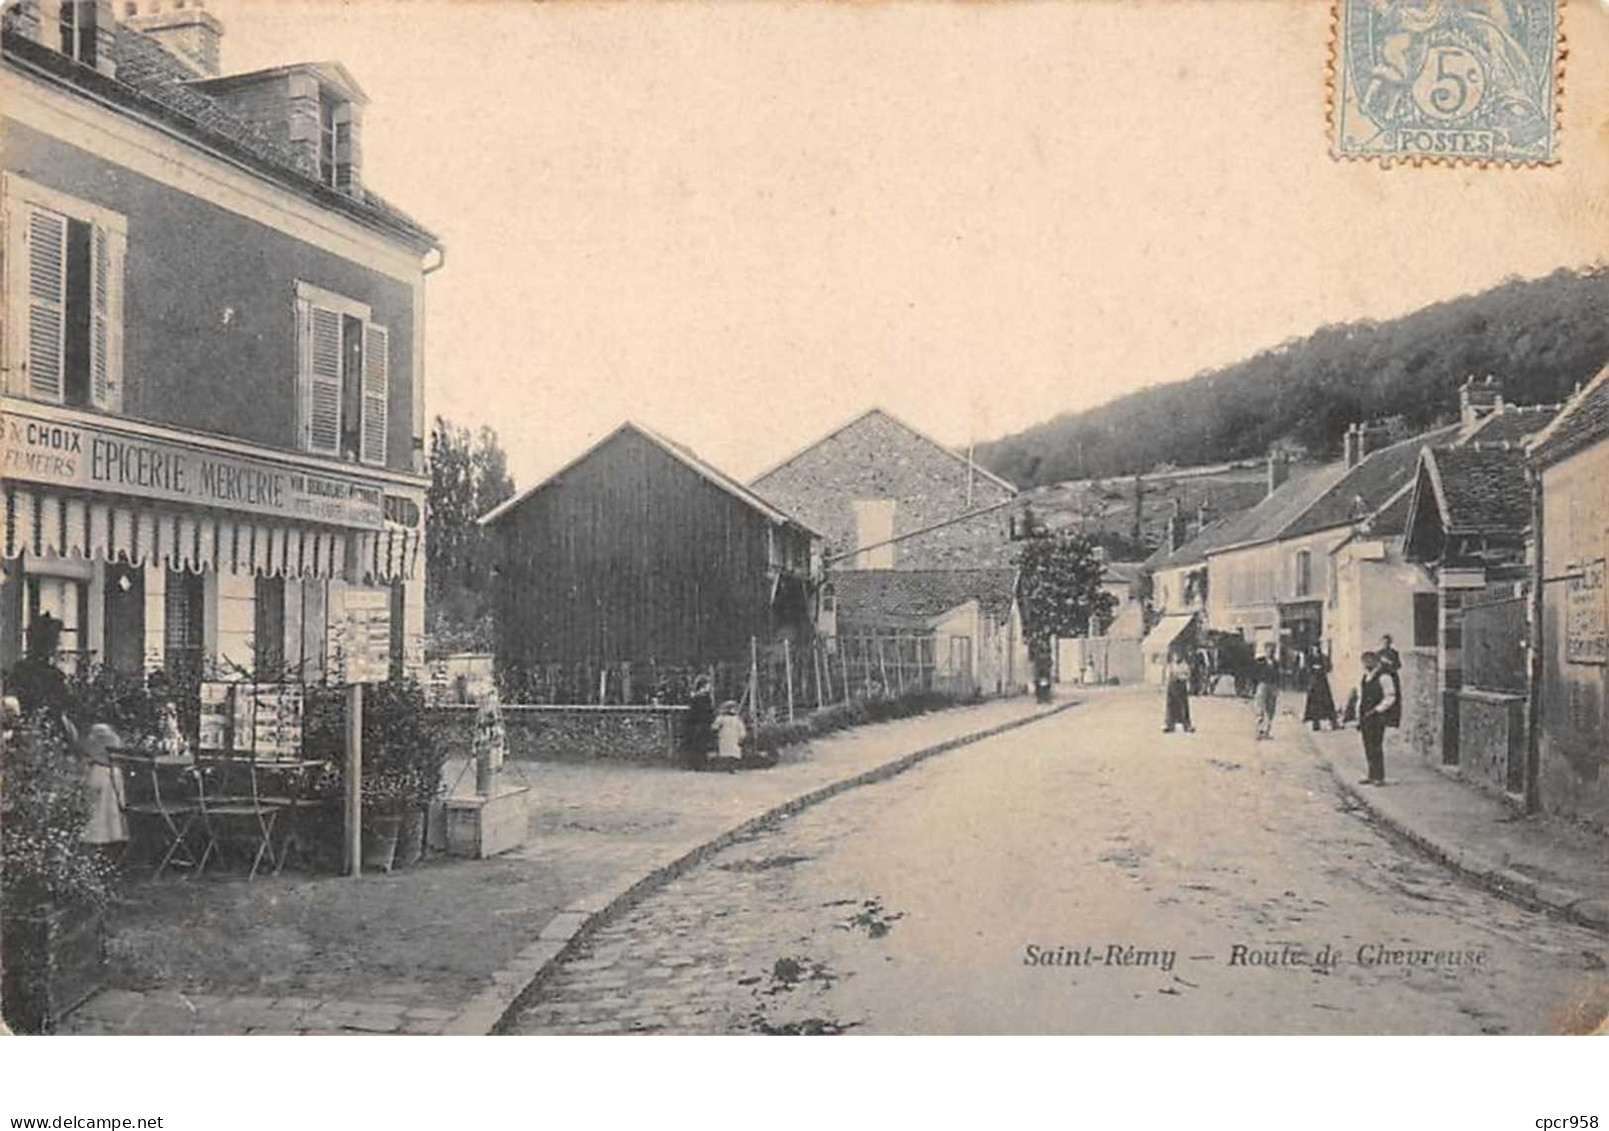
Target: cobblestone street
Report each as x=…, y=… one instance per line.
x=910, y=906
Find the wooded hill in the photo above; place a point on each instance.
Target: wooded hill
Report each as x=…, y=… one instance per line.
x=1542, y=336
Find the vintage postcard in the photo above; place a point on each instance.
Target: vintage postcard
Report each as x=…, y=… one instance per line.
x=784, y=518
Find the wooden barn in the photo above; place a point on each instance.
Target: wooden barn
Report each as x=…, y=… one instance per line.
x=637, y=565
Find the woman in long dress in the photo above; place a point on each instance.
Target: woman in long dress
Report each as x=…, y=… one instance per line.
x=1176, y=676
x=1320, y=706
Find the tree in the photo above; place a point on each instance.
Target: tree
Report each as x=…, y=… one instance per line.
x=468, y=477
x=1059, y=586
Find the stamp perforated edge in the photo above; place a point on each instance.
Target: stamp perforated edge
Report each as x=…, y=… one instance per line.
x=1386, y=161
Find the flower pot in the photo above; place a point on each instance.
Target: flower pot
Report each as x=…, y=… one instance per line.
x=380, y=841
x=53, y=961
x=411, y=838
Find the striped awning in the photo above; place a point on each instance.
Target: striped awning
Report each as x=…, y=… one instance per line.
x=46, y=522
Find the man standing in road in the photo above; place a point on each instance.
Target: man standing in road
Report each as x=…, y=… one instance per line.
x=1379, y=707
x=1266, y=696
x=1389, y=659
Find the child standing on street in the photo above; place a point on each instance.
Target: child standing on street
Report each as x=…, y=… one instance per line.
x=729, y=735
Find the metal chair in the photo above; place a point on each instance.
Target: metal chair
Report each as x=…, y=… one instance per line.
x=233, y=811
x=172, y=815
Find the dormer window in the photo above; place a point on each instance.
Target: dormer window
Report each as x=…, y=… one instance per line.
x=78, y=30
x=334, y=141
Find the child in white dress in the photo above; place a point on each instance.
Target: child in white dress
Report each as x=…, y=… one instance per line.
x=729, y=735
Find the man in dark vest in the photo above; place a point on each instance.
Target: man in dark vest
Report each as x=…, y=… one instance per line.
x=1379, y=707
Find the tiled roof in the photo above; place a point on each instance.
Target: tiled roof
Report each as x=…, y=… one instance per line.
x=870, y=594
x=1121, y=571
x=1368, y=486
x=1583, y=421
x=1269, y=519
x=877, y=410
x=1513, y=425
x=1481, y=489
x=1392, y=519
x=152, y=83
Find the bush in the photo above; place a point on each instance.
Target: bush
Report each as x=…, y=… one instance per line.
x=43, y=807
x=401, y=763
x=841, y=716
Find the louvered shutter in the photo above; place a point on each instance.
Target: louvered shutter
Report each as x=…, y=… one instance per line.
x=376, y=392
x=47, y=295
x=104, y=327
x=323, y=381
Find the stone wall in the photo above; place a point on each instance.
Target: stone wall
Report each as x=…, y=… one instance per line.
x=569, y=733
x=877, y=457
x=1421, y=703
x=1491, y=733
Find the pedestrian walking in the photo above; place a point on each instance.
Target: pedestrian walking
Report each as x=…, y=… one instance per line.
x=1176, y=679
x=1379, y=707
x=729, y=735
x=1265, y=695
x=105, y=827
x=1320, y=705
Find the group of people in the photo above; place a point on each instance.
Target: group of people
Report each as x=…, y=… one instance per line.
x=711, y=739
x=1375, y=705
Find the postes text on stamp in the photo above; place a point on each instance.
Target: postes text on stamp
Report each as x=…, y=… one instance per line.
x=1446, y=80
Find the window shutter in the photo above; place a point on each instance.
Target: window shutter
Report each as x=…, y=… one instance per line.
x=323, y=384
x=376, y=392
x=105, y=327
x=47, y=293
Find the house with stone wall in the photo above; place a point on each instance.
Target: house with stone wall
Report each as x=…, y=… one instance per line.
x=889, y=499
x=213, y=386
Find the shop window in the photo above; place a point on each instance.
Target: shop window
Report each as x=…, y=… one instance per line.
x=1426, y=619
x=268, y=628
x=345, y=384
x=70, y=282
x=56, y=607
x=184, y=636
x=125, y=619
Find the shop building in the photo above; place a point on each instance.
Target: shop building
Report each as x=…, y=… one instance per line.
x=211, y=433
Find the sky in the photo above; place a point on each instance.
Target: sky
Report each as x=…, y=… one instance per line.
x=744, y=223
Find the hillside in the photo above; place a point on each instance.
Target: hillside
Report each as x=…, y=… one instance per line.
x=1542, y=336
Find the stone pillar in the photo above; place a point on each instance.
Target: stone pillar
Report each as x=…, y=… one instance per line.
x=1451, y=670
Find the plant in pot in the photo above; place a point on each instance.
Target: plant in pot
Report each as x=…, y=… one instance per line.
x=54, y=887
x=404, y=761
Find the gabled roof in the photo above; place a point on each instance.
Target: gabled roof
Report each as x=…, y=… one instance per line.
x=1479, y=489
x=1269, y=519
x=919, y=594
x=1195, y=551
x=1129, y=572
x=1513, y=425
x=1373, y=483
x=891, y=418
x=330, y=73
x=1584, y=420
x=677, y=451
x=154, y=86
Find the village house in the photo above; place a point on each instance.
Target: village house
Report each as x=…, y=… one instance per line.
x=1566, y=742
x=638, y=565
x=889, y=500
x=213, y=353
x=1468, y=524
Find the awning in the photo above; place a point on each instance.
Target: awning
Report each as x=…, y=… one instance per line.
x=1167, y=630
x=42, y=522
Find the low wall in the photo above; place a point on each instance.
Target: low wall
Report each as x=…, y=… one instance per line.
x=1491, y=739
x=569, y=733
x=1421, y=704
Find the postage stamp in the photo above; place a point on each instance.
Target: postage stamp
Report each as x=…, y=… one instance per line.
x=1446, y=80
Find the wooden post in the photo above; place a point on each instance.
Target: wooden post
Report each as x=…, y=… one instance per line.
x=815, y=669
x=882, y=663
x=899, y=663
x=754, y=680
x=787, y=673
x=354, y=779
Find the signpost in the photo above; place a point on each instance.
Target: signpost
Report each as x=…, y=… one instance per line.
x=363, y=655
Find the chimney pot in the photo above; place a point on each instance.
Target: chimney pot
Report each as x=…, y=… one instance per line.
x=1278, y=471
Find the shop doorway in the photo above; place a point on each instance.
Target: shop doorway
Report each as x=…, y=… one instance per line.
x=125, y=619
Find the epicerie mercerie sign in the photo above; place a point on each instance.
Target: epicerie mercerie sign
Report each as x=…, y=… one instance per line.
x=81, y=455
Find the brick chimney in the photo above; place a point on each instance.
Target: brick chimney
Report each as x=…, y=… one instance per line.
x=1478, y=400
x=1352, y=445
x=188, y=31
x=1203, y=514
x=1176, y=527
x=1279, y=470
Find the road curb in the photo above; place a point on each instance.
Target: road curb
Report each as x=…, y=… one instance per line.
x=487, y=1011
x=1578, y=907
